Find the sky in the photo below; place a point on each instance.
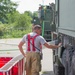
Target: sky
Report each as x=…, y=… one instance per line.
x=31, y=5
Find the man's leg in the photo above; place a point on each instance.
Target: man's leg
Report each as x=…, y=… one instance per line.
x=28, y=70
x=35, y=73
x=28, y=64
x=35, y=69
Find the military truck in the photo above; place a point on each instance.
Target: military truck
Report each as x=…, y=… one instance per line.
x=46, y=20
x=63, y=57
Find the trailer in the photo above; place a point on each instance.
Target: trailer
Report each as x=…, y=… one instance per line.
x=64, y=57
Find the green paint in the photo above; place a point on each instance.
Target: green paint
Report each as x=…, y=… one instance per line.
x=43, y=29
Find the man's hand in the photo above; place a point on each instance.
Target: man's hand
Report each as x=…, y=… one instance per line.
x=59, y=45
x=21, y=49
x=52, y=46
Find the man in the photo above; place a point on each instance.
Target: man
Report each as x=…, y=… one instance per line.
x=33, y=41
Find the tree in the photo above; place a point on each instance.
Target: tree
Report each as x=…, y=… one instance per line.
x=12, y=18
x=35, y=14
x=29, y=13
x=6, y=6
x=23, y=22
x=2, y=29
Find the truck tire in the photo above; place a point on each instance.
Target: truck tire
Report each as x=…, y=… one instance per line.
x=59, y=70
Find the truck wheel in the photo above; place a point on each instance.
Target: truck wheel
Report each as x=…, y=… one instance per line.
x=59, y=70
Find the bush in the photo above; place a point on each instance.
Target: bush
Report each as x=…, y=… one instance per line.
x=16, y=33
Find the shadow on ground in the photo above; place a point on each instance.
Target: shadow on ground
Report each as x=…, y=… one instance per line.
x=47, y=73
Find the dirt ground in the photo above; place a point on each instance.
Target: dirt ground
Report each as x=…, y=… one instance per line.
x=47, y=73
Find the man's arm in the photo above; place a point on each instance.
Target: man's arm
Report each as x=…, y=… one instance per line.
x=52, y=46
x=21, y=49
